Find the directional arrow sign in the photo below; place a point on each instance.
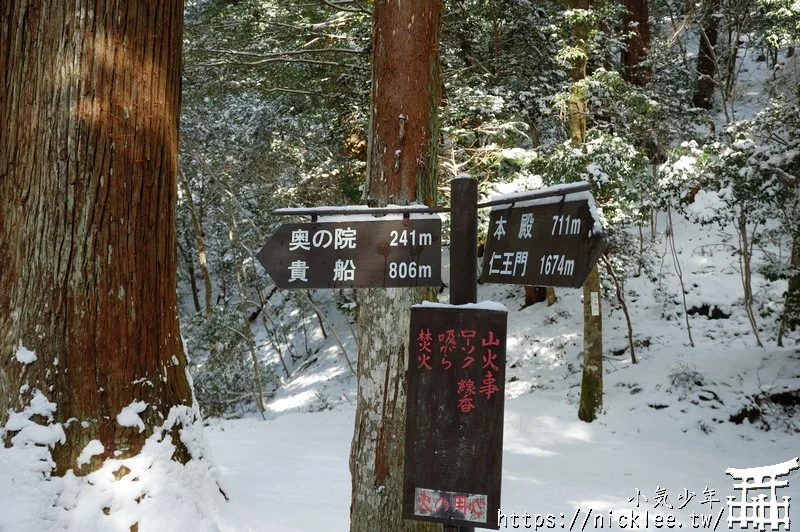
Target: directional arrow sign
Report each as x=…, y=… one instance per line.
x=553, y=241
x=355, y=254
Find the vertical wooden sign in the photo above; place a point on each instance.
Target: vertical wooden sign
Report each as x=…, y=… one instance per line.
x=454, y=425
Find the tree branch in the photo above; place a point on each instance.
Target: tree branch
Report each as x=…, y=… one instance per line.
x=293, y=91
x=273, y=60
x=272, y=55
x=304, y=27
x=339, y=7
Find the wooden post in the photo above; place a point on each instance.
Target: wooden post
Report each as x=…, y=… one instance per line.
x=463, y=240
x=463, y=256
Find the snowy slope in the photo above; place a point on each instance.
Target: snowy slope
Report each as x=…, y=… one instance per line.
x=666, y=421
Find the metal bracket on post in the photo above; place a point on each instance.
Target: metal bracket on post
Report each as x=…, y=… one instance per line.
x=447, y=527
x=456, y=528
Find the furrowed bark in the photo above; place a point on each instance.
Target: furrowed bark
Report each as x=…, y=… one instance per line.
x=636, y=21
x=401, y=169
x=88, y=164
x=403, y=127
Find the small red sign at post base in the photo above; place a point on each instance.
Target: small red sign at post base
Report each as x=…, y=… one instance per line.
x=448, y=504
x=454, y=414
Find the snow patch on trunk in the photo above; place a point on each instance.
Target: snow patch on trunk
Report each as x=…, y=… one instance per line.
x=129, y=416
x=24, y=355
x=93, y=448
x=30, y=433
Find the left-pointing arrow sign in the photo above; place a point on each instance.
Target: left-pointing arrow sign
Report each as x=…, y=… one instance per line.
x=355, y=254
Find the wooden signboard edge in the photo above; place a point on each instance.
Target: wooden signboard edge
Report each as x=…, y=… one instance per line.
x=435, y=280
x=408, y=509
x=596, y=251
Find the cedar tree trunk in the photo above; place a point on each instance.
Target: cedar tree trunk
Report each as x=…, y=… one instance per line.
x=707, y=57
x=636, y=21
x=401, y=168
x=89, y=108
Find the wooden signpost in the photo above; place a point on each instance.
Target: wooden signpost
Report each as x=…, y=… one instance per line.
x=457, y=352
x=549, y=241
x=355, y=254
x=454, y=414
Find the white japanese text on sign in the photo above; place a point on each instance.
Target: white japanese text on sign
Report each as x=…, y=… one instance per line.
x=343, y=254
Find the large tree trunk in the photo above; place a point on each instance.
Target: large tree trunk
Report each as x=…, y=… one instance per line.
x=791, y=299
x=636, y=21
x=89, y=105
x=592, y=381
x=707, y=57
x=401, y=168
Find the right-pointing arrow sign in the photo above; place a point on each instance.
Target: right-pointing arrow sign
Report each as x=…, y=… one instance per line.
x=552, y=241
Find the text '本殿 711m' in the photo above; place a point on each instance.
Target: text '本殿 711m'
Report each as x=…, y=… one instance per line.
x=552, y=241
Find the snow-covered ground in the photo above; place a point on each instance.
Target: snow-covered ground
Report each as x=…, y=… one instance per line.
x=671, y=424
x=291, y=473
x=666, y=423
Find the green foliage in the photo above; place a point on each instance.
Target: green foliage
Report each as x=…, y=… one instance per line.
x=604, y=40
x=780, y=21
x=750, y=169
x=571, y=54
x=791, y=306
x=499, y=68
x=304, y=68
x=224, y=380
x=749, y=175
x=478, y=123
x=273, y=118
